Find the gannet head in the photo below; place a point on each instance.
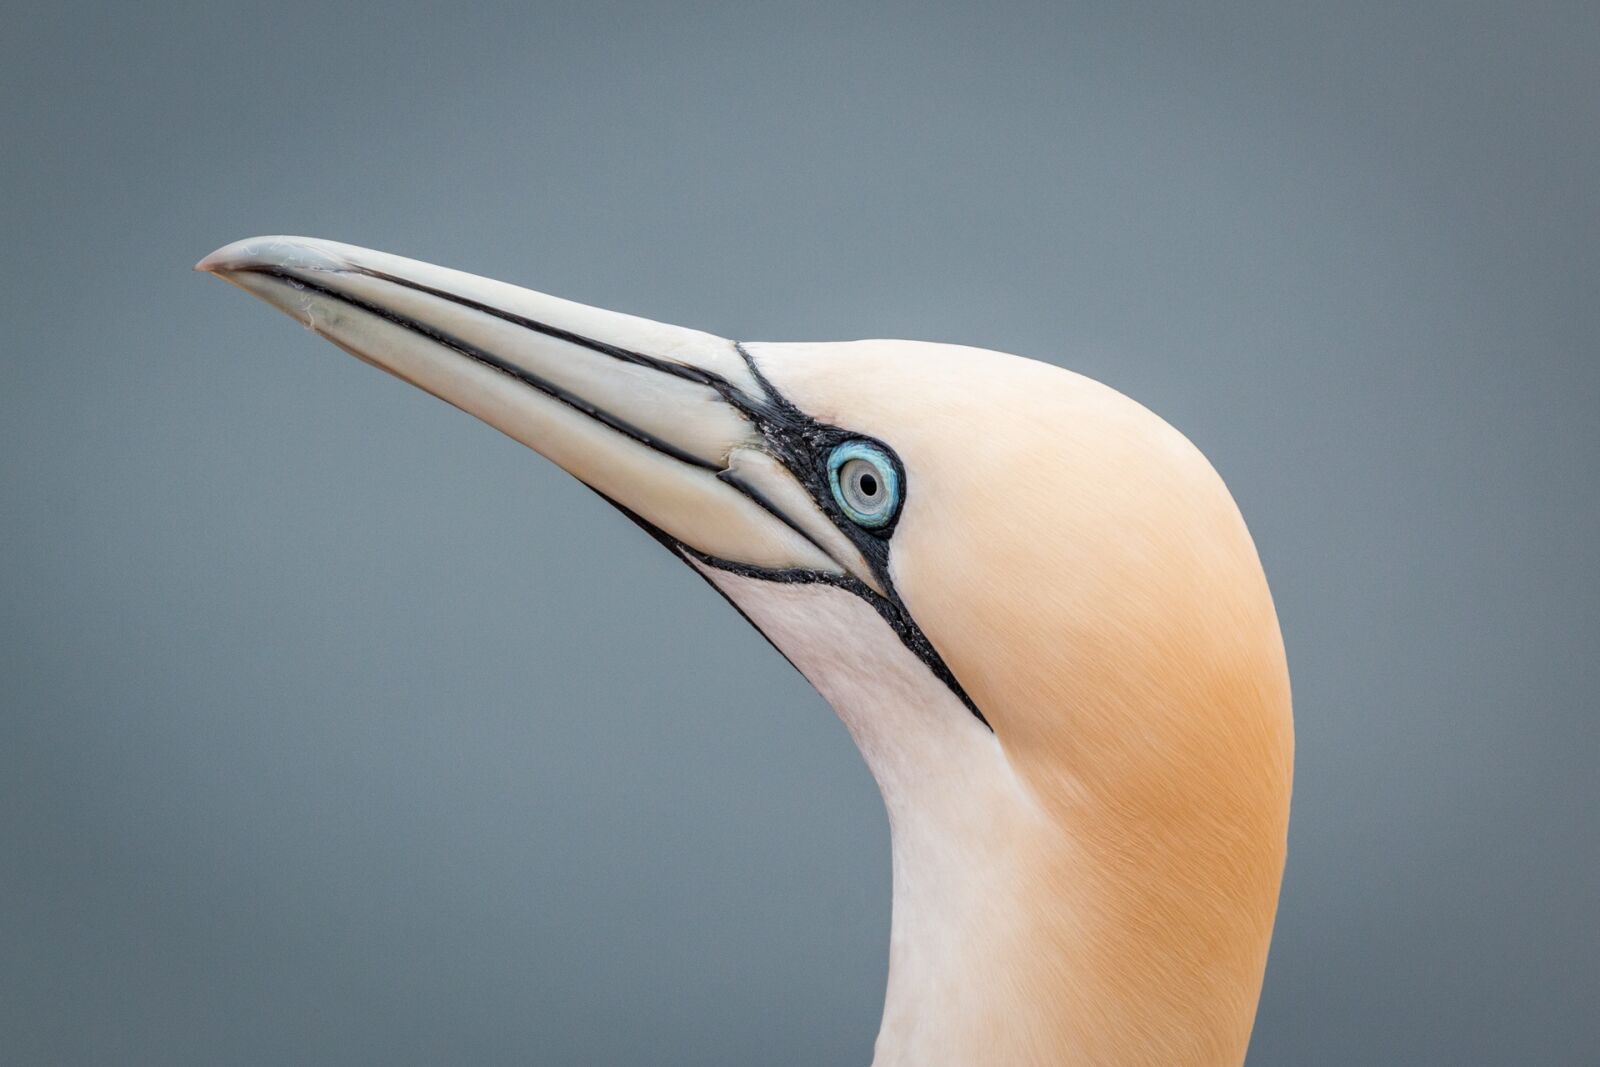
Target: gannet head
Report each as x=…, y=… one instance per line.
x=1033, y=603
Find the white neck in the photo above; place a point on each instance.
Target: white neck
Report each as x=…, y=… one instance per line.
x=962, y=826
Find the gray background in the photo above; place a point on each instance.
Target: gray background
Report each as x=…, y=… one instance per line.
x=339, y=729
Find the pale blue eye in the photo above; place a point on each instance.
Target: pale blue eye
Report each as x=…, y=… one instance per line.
x=865, y=483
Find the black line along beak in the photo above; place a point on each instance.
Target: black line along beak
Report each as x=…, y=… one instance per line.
x=661, y=420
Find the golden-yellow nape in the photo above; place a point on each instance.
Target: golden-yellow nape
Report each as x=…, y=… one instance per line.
x=1033, y=603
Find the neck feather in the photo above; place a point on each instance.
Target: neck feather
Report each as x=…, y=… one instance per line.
x=1023, y=931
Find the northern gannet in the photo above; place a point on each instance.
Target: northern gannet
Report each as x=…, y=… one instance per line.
x=1033, y=603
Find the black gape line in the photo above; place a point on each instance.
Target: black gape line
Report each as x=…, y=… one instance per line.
x=798, y=441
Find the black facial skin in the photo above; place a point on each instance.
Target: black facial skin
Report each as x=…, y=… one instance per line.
x=798, y=441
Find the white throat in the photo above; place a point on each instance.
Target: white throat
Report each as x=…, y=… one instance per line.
x=959, y=819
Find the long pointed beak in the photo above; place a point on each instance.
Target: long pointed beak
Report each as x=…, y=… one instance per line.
x=663, y=421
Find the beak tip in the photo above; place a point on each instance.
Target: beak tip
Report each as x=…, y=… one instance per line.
x=255, y=253
x=210, y=264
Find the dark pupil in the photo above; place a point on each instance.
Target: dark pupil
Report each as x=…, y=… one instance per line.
x=869, y=485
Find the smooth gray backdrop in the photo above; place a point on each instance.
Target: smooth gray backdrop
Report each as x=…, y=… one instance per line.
x=337, y=728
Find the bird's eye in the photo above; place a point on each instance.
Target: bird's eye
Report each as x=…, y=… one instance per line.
x=865, y=483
